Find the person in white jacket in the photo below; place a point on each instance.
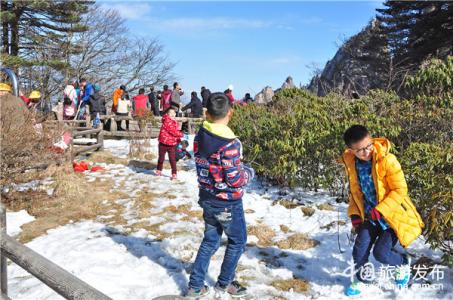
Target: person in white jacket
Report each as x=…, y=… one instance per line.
x=69, y=102
x=123, y=109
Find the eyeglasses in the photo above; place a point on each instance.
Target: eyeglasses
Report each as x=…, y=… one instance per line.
x=368, y=148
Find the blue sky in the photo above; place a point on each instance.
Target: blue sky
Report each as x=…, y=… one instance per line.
x=247, y=44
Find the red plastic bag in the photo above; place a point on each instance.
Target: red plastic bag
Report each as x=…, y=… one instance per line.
x=80, y=167
x=84, y=165
x=97, y=169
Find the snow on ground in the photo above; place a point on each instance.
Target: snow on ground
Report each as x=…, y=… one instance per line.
x=15, y=220
x=80, y=141
x=150, y=255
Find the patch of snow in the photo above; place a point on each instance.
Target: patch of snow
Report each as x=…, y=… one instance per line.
x=84, y=141
x=14, y=220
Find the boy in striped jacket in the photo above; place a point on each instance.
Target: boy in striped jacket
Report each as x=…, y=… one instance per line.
x=221, y=177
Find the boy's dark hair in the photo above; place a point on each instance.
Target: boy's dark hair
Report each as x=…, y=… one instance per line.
x=193, y=94
x=82, y=80
x=185, y=143
x=175, y=85
x=141, y=91
x=151, y=88
x=355, y=134
x=165, y=87
x=168, y=109
x=218, y=105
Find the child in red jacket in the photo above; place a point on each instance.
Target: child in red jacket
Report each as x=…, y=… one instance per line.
x=169, y=137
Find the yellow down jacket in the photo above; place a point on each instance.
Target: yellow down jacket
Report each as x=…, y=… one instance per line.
x=394, y=203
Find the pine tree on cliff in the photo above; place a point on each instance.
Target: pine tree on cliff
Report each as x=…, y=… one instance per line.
x=417, y=30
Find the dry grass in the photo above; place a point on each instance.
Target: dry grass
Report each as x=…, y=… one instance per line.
x=107, y=158
x=195, y=214
x=142, y=207
x=139, y=149
x=185, y=209
x=144, y=202
x=277, y=297
x=286, y=203
x=332, y=224
x=284, y=228
x=297, y=241
x=171, y=209
x=151, y=165
x=264, y=233
x=153, y=229
x=22, y=146
x=307, y=211
x=35, y=174
x=141, y=164
x=296, y=284
x=249, y=211
x=74, y=199
x=326, y=206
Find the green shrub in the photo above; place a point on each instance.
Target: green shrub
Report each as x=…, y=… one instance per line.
x=429, y=174
x=297, y=139
x=433, y=83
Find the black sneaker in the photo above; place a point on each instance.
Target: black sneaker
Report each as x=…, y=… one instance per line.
x=234, y=289
x=194, y=294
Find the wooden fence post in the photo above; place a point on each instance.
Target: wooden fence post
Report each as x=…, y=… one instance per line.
x=3, y=262
x=100, y=139
x=189, y=124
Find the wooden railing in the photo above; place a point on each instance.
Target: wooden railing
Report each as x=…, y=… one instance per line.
x=78, y=148
x=148, y=128
x=58, y=279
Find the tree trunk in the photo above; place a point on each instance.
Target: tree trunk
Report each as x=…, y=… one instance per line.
x=15, y=30
x=5, y=31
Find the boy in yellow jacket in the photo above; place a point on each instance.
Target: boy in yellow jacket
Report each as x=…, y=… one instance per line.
x=379, y=206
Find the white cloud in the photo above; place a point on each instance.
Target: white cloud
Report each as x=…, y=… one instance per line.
x=212, y=23
x=130, y=11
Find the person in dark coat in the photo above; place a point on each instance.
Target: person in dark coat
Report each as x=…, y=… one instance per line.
x=154, y=101
x=97, y=104
x=195, y=106
x=205, y=93
x=247, y=99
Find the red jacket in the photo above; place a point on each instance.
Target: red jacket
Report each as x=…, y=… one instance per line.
x=25, y=99
x=169, y=134
x=140, y=107
x=165, y=102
